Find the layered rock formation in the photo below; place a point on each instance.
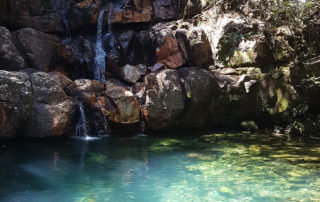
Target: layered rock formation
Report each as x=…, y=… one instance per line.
x=215, y=70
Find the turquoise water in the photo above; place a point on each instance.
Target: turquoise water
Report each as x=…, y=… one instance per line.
x=212, y=167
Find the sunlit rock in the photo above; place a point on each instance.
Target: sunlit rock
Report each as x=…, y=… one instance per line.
x=15, y=102
x=132, y=74
x=119, y=104
x=53, y=120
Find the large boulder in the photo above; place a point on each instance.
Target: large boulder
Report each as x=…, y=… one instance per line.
x=164, y=99
x=85, y=90
x=15, y=102
x=119, y=104
x=46, y=89
x=51, y=120
x=10, y=58
x=201, y=90
x=52, y=112
x=41, y=50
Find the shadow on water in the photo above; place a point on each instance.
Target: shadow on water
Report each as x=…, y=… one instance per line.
x=211, y=166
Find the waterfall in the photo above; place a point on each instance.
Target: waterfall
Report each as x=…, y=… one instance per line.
x=81, y=128
x=100, y=57
x=99, y=60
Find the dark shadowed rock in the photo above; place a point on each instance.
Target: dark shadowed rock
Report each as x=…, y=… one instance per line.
x=164, y=101
x=46, y=16
x=201, y=90
x=10, y=58
x=39, y=49
x=200, y=49
x=167, y=9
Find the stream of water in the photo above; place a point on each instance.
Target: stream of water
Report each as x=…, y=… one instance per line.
x=100, y=66
x=205, y=167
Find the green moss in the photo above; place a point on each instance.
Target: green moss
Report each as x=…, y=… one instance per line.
x=241, y=58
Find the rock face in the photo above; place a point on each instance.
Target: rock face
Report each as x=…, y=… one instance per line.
x=164, y=99
x=10, y=58
x=216, y=69
x=34, y=105
x=119, y=104
x=52, y=112
x=201, y=92
x=15, y=102
x=46, y=16
x=51, y=120
x=40, y=49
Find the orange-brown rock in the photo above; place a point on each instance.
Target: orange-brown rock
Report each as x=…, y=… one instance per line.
x=169, y=54
x=142, y=12
x=119, y=104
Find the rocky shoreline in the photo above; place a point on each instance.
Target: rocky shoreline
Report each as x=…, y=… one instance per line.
x=217, y=69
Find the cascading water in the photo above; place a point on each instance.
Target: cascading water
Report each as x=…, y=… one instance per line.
x=81, y=128
x=99, y=60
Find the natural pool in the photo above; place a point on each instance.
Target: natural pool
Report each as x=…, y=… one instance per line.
x=211, y=167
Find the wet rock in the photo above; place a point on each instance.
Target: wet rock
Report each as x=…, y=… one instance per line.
x=53, y=120
x=80, y=57
x=201, y=90
x=131, y=73
x=125, y=40
x=164, y=99
x=119, y=104
x=15, y=102
x=39, y=49
x=46, y=89
x=10, y=58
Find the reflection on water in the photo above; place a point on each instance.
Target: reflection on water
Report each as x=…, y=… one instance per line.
x=211, y=167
